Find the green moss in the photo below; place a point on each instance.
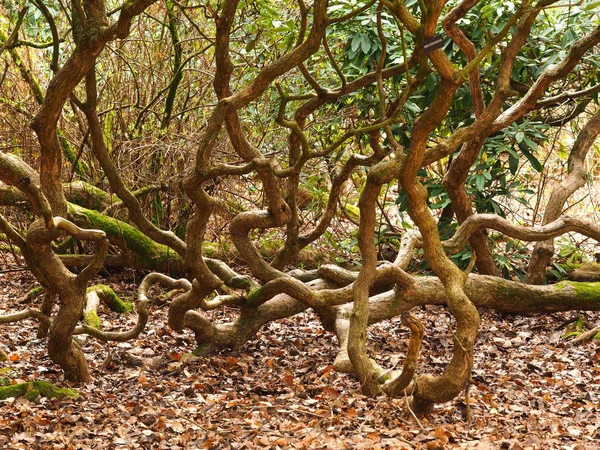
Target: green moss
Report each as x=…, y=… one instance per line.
x=8, y=249
x=587, y=291
x=91, y=318
x=591, y=266
x=111, y=299
x=387, y=376
x=562, y=285
x=505, y=290
x=35, y=292
x=201, y=349
x=244, y=321
x=150, y=253
x=241, y=282
x=81, y=168
x=353, y=212
x=210, y=249
x=33, y=389
x=88, y=195
x=253, y=298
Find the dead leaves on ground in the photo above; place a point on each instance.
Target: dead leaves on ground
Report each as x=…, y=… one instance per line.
x=280, y=391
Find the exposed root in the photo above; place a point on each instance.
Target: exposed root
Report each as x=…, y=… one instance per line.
x=29, y=313
x=396, y=387
x=141, y=308
x=586, y=336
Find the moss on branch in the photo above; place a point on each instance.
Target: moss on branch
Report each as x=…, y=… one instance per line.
x=143, y=251
x=31, y=390
x=91, y=318
x=111, y=299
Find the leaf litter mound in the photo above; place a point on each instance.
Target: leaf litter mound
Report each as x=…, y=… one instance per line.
x=530, y=390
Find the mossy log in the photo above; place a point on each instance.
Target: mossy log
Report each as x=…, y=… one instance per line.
x=141, y=251
x=32, y=294
x=31, y=390
x=584, y=275
x=86, y=202
x=90, y=316
x=488, y=292
x=144, y=253
x=589, y=271
x=102, y=293
x=89, y=196
x=78, y=192
x=111, y=299
x=484, y=291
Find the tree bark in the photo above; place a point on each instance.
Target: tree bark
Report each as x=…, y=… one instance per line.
x=576, y=178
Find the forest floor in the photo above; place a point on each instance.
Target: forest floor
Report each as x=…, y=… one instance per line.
x=530, y=389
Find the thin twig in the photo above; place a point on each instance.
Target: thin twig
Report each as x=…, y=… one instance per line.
x=412, y=413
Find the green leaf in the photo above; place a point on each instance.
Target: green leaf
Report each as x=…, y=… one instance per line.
x=532, y=145
x=593, y=6
x=250, y=45
x=535, y=163
x=412, y=107
x=365, y=44
x=480, y=182
x=497, y=208
x=519, y=136
x=355, y=42
x=442, y=204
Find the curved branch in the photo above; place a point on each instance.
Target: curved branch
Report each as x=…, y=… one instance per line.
x=15, y=172
x=26, y=314
x=239, y=229
x=286, y=285
x=15, y=32
x=76, y=232
x=553, y=229
x=55, y=38
x=98, y=236
x=575, y=179
x=456, y=34
x=396, y=387
x=116, y=183
x=141, y=308
x=494, y=123
x=12, y=233
x=568, y=95
x=351, y=14
x=551, y=73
